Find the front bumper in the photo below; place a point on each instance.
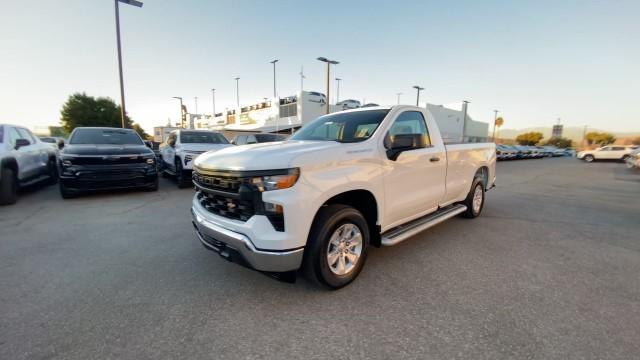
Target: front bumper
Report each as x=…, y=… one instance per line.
x=239, y=248
x=84, y=177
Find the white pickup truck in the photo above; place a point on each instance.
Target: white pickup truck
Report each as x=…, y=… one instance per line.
x=346, y=181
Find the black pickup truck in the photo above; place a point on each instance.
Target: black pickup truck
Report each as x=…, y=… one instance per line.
x=105, y=158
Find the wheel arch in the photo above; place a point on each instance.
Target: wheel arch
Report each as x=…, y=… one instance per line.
x=11, y=163
x=363, y=201
x=483, y=173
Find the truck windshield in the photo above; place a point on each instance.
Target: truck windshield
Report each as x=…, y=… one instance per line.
x=342, y=127
x=105, y=137
x=201, y=137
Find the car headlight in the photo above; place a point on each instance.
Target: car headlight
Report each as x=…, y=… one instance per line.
x=151, y=161
x=276, y=182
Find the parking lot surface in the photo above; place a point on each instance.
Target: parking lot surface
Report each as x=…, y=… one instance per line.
x=549, y=271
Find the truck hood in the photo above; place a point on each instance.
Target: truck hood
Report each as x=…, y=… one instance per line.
x=261, y=156
x=203, y=147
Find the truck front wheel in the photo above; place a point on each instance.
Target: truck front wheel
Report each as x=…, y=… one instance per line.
x=337, y=246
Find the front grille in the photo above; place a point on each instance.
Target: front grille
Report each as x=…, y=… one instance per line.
x=108, y=160
x=225, y=206
x=217, y=182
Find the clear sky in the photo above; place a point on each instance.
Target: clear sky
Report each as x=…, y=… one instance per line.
x=534, y=61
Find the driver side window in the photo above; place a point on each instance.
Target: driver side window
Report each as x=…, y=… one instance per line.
x=410, y=123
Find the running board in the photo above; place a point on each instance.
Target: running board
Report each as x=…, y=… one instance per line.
x=403, y=232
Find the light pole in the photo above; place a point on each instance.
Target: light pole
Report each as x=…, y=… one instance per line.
x=329, y=63
x=181, y=113
x=196, y=100
x=238, y=91
x=398, y=94
x=123, y=111
x=464, y=118
x=213, y=102
x=418, y=88
x=338, y=90
x=495, y=119
x=302, y=77
x=274, y=76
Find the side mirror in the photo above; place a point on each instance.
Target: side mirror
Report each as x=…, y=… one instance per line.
x=171, y=143
x=22, y=142
x=149, y=144
x=60, y=144
x=402, y=142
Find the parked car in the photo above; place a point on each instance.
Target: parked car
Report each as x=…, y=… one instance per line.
x=342, y=183
x=504, y=152
x=183, y=147
x=257, y=138
x=100, y=158
x=633, y=161
x=52, y=141
x=24, y=160
x=349, y=104
x=524, y=152
x=546, y=151
x=317, y=97
x=609, y=152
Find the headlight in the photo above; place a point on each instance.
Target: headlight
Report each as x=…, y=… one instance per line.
x=276, y=182
x=66, y=163
x=150, y=161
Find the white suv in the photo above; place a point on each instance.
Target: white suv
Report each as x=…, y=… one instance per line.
x=610, y=152
x=183, y=146
x=24, y=160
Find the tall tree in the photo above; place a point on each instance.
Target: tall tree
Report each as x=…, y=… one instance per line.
x=530, y=138
x=81, y=109
x=600, y=138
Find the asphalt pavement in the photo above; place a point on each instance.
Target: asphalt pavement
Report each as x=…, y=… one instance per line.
x=551, y=270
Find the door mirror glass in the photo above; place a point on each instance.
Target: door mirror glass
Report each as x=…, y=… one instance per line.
x=402, y=142
x=22, y=142
x=149, y=144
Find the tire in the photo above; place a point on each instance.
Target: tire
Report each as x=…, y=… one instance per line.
x=334, y=235
x=8, y=187
x=65, y=192
x=52, y=170
x=183, y=182
x=589, y=158
x=153, y=186
x=624, y=158
x=473, y=203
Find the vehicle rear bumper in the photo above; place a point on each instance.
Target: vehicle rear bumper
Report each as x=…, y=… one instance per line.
x=239, y=248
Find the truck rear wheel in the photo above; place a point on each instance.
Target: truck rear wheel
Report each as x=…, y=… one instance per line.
x=475, y=199
x=337, y=246
x=8, y=187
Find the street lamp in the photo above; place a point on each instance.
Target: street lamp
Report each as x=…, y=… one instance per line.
x=213, y=101
x=196, y=100
x=181, y=113
x=123, y=111
x=238, y=91
x=274, y=76
x=418, y=95
x=398, y=94
x=302, y=77
x=329, y=63
x=338, y=90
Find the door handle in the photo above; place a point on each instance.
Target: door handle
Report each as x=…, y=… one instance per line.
x=434, y=159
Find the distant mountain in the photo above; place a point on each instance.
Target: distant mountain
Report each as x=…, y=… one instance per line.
x=574, y=133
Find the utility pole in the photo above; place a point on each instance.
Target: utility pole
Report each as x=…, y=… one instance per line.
x=238, y=91
x=302, y=77
x=274, y=76
x=495, y=118
x=338, y=90
x=398, y=94
x=123, y=111
x=329, y=63
x=213, y=99
x=464, y=119
x=418, y=88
